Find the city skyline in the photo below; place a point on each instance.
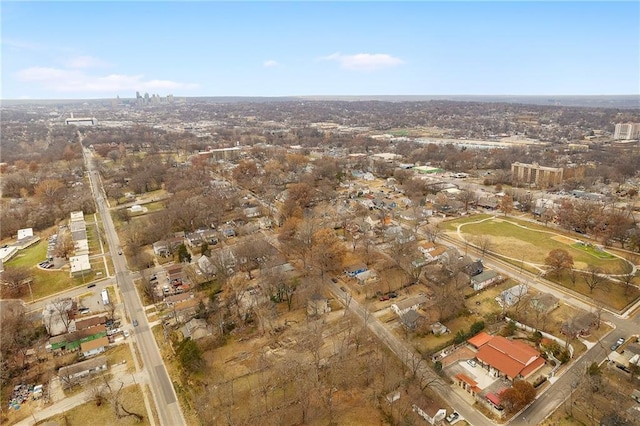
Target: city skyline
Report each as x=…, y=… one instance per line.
x=89, y=50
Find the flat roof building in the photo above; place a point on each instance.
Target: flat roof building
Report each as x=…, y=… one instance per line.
x=541, y=176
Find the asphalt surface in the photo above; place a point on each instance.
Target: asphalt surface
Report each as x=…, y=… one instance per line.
x=167, y=406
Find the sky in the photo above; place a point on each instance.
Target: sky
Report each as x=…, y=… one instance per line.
x=86, y=50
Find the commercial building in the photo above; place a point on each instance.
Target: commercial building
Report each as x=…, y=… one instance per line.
x=627, y=131
x=536, y=174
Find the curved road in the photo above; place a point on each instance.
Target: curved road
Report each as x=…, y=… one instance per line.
x=164, y=395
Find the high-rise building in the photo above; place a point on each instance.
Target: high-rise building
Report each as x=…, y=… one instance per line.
x=627, y=131
x=541, y=176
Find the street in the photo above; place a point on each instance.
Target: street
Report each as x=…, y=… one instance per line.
x=160, y=384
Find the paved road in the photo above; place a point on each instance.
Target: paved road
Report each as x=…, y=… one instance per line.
x=410, y=357
x=167, y=405
x=625, y=324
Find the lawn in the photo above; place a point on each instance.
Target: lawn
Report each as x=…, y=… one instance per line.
x=593, y=251
x=452, y=225
x=509, y=237
x=89, y=413
x=30, y=256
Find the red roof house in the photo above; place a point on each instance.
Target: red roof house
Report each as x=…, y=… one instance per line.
x=511, y=358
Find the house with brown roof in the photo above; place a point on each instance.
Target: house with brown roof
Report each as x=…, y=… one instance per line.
x=512, y=359
x=94, y=347
x=90, y=322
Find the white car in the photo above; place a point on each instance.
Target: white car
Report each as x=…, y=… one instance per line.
x=126, y=333
x=471, y=362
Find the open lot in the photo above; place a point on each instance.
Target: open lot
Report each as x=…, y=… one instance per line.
x=90, y=413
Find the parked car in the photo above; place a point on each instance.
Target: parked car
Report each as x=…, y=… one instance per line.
x=615, y=346
x=135, y=322
x=620, y=341
x=393, y=295
x=471, y=362
x=334, y=280
x=383, y=298
x=452, y=417
x=343, y=289
x=126, y=333
x=91, y=286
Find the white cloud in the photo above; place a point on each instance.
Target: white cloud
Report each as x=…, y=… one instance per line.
x=75, y=80
x=86, y=62
x=270, y=64
x=364, y=61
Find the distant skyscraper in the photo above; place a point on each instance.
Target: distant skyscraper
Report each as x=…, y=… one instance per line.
x=627, y=131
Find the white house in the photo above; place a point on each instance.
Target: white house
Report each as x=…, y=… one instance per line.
x=513, y=295
x=404, y=306
x=70, y=374
x=432, y=416
x=366, y=277
x=484, y=279
x=94, y=347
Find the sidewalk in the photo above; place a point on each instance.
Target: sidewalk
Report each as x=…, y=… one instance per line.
x=79, y=399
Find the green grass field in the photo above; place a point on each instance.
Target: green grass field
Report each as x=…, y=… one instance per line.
x=511, y=238
x=600, y=254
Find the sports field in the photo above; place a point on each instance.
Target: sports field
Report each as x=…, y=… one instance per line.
x=520, y=240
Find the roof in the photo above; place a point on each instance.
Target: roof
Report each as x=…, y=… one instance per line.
x=410, y=302
x=94, y=344
x=480, y=339
x=468, y=380
x=509, y=357
x=485, y=276
x=495, y=399
x=356, y=267
x=91, y=331
x=81, y=366
x=90, y=322
x=410, y=317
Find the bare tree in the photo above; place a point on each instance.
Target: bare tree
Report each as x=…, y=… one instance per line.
x=593, y=278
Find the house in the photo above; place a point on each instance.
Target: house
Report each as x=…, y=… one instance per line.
x=484, y=279
x=489, y=203
x=431, y=413
x=161, y=248
x=411, y=319
x=251, y=212
x=186, y=309
x=205, y=265
x=71, y=374
x=317, y=305
x=512, y=359
x=495, y=399
x=193, y=239
x=435, y=254
x=355, y=269
x=580, y=325
x=439, y=329
x=544, y=303
x=513, y=295
x=88, y=323
x=196, y=329
x=474, y=268
x=57, y=316
x=404, y=306
x=170, y=301
x=94, y=347
x=366, y=277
